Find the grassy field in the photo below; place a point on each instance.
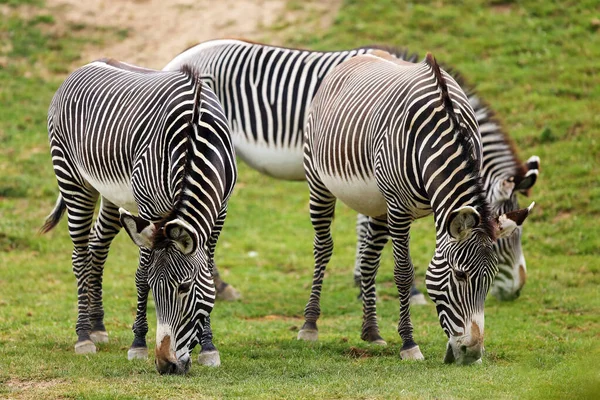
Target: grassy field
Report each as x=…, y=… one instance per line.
x=536, y=62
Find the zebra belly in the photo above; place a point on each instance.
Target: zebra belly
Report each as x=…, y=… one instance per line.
x=281, y=163
x=118, y=193
x=360, y=195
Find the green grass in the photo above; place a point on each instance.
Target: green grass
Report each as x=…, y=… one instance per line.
x=535, y=62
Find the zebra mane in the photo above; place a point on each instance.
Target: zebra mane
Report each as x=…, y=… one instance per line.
x=464, y=140
x=185, y=160
x=482, y=107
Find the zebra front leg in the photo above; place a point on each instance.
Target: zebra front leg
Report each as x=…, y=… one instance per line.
x=224, y=290
x=362, y=221
x=399, y=226
x=322, y=207
x=375, y=239
x=139, y=348
x=209, y=355
x=107, y=226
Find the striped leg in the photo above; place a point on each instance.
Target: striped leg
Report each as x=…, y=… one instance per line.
x=209, y=355
x=399, y=225
x=80, y=202
x=80, y=211
x=322, y=207
x=362, y=224
x=377, y=235
x=105, y=229
x=139, y=348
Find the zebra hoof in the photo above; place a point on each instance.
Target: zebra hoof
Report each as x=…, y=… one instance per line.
x=379, y=342
x=310, y=335
x=229, y=293
x=137, y=353
x=85, y=347
x=99, y=337
x=418, y=300
x=478, y=362
x=414, y=353
x=210, y=358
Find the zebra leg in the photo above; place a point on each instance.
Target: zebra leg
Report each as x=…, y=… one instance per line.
x=139, y=348
x=362, y=224
x=404, y=273
x=105, y=229
x=209, y=355
x=322, y=207
x=224, y=290
x=362, y=221
x=80, y=211
x=376, y=237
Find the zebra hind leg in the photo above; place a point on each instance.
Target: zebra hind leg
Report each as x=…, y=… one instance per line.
x=80, y=211
x=322, y=207
x=107, y=226
x=209, y=355
x=375, y=239
x=139, y=348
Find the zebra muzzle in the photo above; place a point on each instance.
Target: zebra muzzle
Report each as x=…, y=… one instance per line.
x=166, y=362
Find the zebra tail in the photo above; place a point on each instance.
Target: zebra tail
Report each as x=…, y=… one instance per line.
x=55, y=216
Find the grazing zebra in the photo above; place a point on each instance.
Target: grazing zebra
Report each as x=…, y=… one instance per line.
x=157, y=143
x=266, y=91
x=397, y=141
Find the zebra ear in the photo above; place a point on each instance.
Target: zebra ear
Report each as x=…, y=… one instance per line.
x=138, y=229
x=462, y=221
x=533, y=170
x=183, y=235
x=507, y=223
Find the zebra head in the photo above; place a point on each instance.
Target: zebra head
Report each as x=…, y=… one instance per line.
x=502, y=197
x=460, y=275
x=180, y=280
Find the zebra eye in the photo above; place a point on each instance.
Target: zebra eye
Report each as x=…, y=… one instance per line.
x=460, y=275
x=184, y=287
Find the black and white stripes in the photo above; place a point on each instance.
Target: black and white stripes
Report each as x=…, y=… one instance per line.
x=266, y=90
x=157, y=143
x=397, y=141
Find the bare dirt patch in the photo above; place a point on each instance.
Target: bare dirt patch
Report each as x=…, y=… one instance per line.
x=156, y=31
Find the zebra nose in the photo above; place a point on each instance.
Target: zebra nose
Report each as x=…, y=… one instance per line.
x=166, y=367
x=165, y=361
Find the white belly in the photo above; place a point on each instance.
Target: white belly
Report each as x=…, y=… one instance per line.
x=118, y=193
x=280, y=163
x=360, y=195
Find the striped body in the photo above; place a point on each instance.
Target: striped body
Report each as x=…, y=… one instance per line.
x=266, y=92
x=409, y=130
x=156, y=143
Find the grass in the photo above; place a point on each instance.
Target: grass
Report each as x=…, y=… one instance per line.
x=536, y=62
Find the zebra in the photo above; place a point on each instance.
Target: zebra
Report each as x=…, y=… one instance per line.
x=266, y=91
x=397, y=141
x=156, y=143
